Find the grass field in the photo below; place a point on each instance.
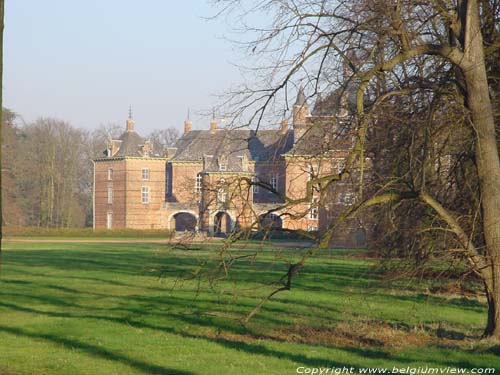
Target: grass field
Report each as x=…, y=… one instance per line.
x=102, y=308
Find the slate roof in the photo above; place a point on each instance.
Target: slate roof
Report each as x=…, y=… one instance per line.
x=324, y=134
x=130, y=145
x=232, y=147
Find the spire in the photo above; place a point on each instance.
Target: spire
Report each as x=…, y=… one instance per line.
x=130, y=120
x=188, y=125
x=300, y=115
x=301, y=98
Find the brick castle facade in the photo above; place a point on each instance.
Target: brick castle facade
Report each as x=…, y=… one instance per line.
x=220, y=180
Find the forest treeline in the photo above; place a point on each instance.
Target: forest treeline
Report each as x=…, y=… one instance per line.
x=47, y=169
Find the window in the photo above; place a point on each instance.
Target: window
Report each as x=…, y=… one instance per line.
x=255, y=186
x=168, y=181
x=312, y=228
x=198, y=183
x=348, y=198
x=145, y=173
x=221, y=195
x=110, y=174
x=109, y=220
x=313, y=212
x=274, y=181
x=338, y=165
x=145, y=194
x=222, y=167
x=110, y=194
x=313, y=173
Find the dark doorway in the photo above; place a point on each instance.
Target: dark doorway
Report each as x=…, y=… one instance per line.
x=222, y=224
x=271, y=222
x=184, y=221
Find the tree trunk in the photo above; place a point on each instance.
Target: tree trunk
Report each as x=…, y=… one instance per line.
x=487, y=159
x=493, y=298
x=1, y=108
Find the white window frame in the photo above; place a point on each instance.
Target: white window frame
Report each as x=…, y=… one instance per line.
x=110, y=194
x=347, y=198
x=255, y=186
x=339, y=164
x=110, y=174
x=313, y=209
x=222, y=167
x=198, y=184
x=313, y=173
x=222, y=195
x=145, y=195
x=274, y=182
x=145, y=174
x=109, y=220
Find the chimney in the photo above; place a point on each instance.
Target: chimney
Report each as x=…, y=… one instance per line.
x=130, y=121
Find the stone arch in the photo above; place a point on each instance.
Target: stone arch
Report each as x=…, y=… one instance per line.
x=223, y=223
x=182, y=221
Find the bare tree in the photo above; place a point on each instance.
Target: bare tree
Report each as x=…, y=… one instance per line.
x=50, y=159
x=163, y=138
x=386, y=50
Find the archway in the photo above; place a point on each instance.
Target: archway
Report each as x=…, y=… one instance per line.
x=271, y=221
x=222, y=224
x=184, y=221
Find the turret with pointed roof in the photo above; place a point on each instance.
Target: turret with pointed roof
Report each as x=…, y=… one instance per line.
x=300, y=114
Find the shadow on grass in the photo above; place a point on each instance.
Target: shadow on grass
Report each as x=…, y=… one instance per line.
x=234, y=344
x=97, y=352
x=129, y=263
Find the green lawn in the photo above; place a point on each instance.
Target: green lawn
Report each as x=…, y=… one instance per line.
x=76, y=308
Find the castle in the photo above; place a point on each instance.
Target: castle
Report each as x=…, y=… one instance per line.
x=218, y=180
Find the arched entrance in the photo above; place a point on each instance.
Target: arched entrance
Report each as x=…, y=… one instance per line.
x=183, y=221
x=271, y=221
x=222, y=224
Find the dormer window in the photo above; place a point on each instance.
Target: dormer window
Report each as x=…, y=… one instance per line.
x=347, y=198
x=145, y=173
x=222, y=161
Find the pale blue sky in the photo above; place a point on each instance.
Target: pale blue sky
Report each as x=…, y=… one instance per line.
x=86, y=61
